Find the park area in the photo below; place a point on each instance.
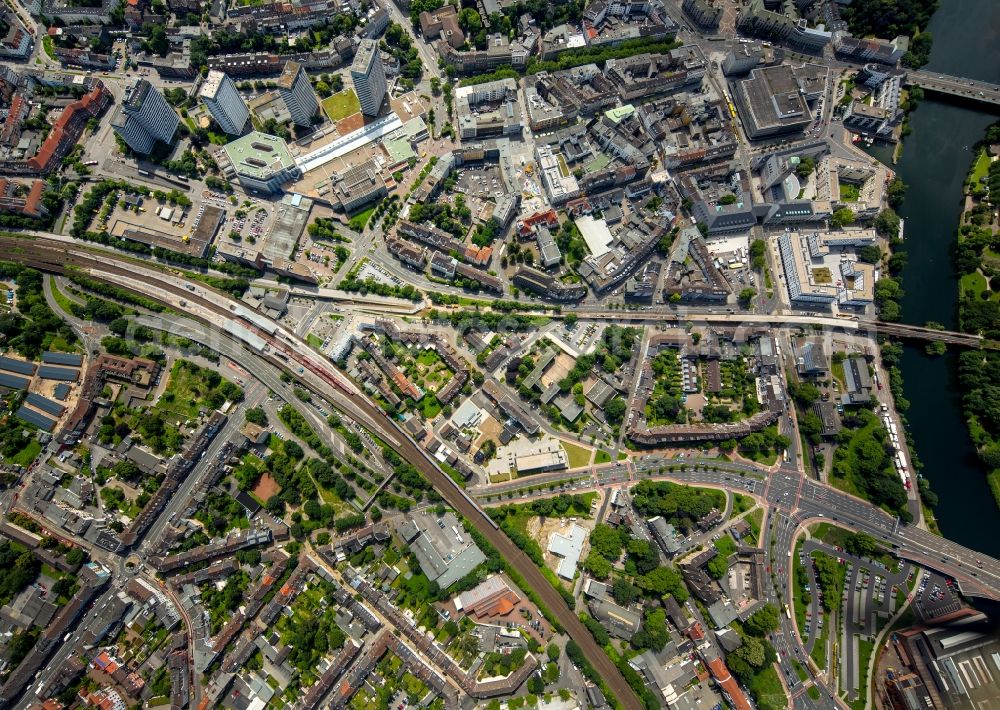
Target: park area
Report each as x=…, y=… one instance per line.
x=192, y=388
x=341, y=105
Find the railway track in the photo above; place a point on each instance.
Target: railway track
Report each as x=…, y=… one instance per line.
x=55, y=256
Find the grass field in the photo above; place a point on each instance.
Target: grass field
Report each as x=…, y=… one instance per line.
x=822, y=275
x=865, y=650
x=800, y=671
x=974, y=283
x=849, y=192
x=767, y=689
x=602, y=456
x=340, y=106
x=358, y=221
x=742, y=504
x=190, y=388
x=62, y=300
x=26, y=455
x=979, y=171
x=755, y=519
x=576, y=456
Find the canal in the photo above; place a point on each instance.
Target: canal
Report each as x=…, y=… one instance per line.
x=935, y=160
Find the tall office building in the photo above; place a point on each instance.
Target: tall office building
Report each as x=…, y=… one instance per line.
x=145, y=117
x=297, y=93
x=224, y=102
x=369, y=77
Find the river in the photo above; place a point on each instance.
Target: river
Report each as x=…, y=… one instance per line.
x=935, y=160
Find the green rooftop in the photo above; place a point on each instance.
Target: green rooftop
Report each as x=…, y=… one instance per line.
x=619, y=112
x=398, y=150
x=259, y=155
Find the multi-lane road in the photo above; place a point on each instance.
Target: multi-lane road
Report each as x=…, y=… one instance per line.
x=955, y=86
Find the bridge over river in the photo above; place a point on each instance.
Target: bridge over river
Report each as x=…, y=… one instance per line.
x=971, y=89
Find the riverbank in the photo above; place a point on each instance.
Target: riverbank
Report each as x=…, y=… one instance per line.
x=977, y=261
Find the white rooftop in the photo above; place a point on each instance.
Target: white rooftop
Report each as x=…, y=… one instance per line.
x=468, y=415
x=569, y=547
x=345, y=144
x=596, y=233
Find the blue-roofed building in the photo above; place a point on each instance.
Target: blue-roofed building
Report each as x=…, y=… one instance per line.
x=61, y=391
x=70, y=359
x=13, y=382
x=51, y=372
x=46, y=405
x=39, y=420
x=19, y=366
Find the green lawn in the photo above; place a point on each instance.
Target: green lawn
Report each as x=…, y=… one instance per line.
x=428, y=357
x=974, y=283
x=430, y=406
x=314, y=340
x=849, y=192
x=340, y=106
x=358, y=221
x=742, y=503
x=602, y=457
x=830, y=534
x=768, y=691
x=190, y=388
x=577, y=456
x=865, y=649
x=819, y=650
x=28, y=454
x=48, y=46
x=800, y=599
x=725, y=545
x=979, y=170
x=62, y=300
x=800, y=671
x=813, y=692
x=755, y=519
x=837, y=368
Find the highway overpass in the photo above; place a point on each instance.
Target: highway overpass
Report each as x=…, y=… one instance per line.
x=654, y=315
x=970, y=89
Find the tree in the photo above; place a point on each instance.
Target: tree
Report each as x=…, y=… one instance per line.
x=764, y=621
x=805, y=167
x=746, y=297
x=887, y=223
x=553, y=652
x=614, y=411
x=758, y=250
x=535, y=684
x=805, y=393
x=841, y=218
x=597, y=565
x=606, y=541
x=664, y=580
x=896, y=193
x=870, y=254
x=624, y=591
x=861, y=544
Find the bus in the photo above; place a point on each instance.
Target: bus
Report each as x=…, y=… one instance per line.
x=788, y=613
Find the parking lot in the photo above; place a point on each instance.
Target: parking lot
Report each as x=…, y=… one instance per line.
x=869, y=601
x=482, y=182
x=935, y=596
